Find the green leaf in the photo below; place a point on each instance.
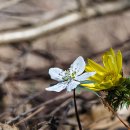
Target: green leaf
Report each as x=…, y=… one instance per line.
x=86, y=82
x=81, y=88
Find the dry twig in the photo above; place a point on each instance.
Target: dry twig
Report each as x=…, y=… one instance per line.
x=37, y=109
x=8, y=3
x=114, y=113
x=65, y=21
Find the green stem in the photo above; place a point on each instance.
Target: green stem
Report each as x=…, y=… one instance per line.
x=76, y=111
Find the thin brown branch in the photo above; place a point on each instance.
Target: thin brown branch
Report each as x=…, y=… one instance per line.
x=28, y=74
x=65, y=21
x=60, y=107
x=38, y=109
x=113, y=112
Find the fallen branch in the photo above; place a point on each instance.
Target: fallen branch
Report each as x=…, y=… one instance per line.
x=9, y=3
x=37, y=109
x=65, y=21
x=67, y=102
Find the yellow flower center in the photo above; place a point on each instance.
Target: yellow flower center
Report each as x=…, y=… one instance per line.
x=109, y=76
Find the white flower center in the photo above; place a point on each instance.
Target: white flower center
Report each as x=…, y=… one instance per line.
x=69, y=76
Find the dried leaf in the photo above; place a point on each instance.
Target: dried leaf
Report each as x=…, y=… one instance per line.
x=7, y=127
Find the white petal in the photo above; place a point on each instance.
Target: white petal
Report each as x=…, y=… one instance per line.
x=78, y=66
x=56, y=74
x=58, y=87
x=72, y=85
x=84, y=76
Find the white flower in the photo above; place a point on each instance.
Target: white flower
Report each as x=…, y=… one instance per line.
x=70, y=78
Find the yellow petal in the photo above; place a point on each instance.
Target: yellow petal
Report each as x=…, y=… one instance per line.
x=89, y=68
x=98, y=68
x=97, y=77
x=105, y=62
x=107, y=84
x=112, y=52
x=91, y=86
x=109, y=60
x=113, y=64
x=119, y=61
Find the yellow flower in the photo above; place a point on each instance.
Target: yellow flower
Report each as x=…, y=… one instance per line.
x=106, y=76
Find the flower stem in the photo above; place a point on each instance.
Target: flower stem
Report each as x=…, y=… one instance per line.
x=76, y=111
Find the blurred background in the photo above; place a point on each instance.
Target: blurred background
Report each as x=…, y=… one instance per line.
x=38, y=34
